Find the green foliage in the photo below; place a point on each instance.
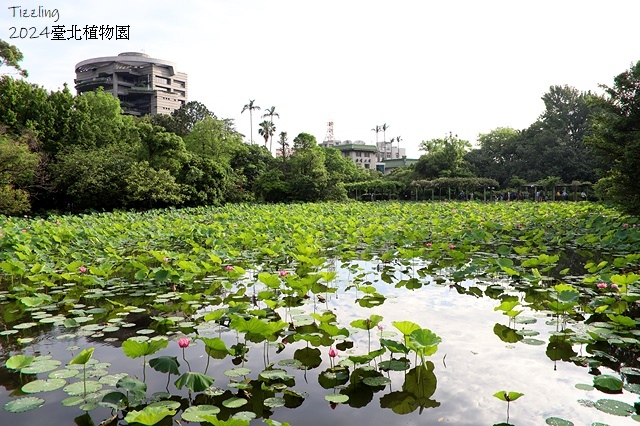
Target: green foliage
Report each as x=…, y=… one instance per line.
x=10, y=56
x=444, y=158
x=616, y=137
x=134, y=348
x=149, y=415
x=507, y=396
x=83, y=357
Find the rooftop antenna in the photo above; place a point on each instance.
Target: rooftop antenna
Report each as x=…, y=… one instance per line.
x=329, y=136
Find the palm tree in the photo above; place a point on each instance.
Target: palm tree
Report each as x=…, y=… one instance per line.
x=284, y=144
x=267, y=129
x=376, y=129
x=250, y=106
x=398, y=139
x=271, y=112
x=384, y=128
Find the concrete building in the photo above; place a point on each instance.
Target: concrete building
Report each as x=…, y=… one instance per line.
x=361, y=154
x=143, y=84
x=386, y=151
x=394, y=163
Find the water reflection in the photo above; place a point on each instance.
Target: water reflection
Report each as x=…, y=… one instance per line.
x=482, y=351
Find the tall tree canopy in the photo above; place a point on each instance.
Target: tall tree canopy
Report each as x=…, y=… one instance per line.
x=444, y=158
x=616, y=137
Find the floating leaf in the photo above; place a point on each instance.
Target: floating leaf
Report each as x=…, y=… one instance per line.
x=78, y=388
x=43, y=385
x=41, y=366
x=194, y=413
x=63, y=374
x=376, y=381
x=237, y=372
x=584, y=386
x=149, y=415
x=274, y=402
x=617, y=408
x=337, y=398
x=556, y=421
x=21, y=405
x=234, y=402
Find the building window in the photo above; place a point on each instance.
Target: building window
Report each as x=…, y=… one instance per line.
x=358, y=154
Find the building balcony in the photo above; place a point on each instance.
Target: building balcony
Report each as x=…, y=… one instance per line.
x=93, y=83
x=141, y=89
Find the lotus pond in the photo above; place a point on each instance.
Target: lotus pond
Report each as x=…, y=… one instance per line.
x=316, y=314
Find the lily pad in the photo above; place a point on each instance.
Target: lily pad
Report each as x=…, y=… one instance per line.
x=193, y=414
x=78, y=388
x=376, y=381
x=41, y=366
x=617, y=408
x=557, y=421
x=21, y=405
x=274, y=402
x=337, y=398
x=533, y=342
x=584, y=387
x=234, y=402
x=64, y=373
x=237, y=372
x=43, y=385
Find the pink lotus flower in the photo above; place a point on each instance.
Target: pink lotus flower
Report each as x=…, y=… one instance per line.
x=601, y=285
x=283, y=273
x=451, y=246
x=229, y=268
x=165, y=259
x=428, y=245
x=82, y=269
x=519, y=226
x=184, y=342
x=625, y=225
x=614, y=286
x=333, y=353
x=380, y=328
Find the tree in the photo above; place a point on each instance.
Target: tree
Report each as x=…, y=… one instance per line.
x=161, y=149
x=18, y=167
x=443, y=158
x=398, y=140
x=384, y=128
x=186, y=117
x=496, y=156
x=211, y=138
x=616, y=137
x=267, y=129
x=271, y=112
x=283, y=145
x=11, y=56
x=97, y=121
x=250, y=107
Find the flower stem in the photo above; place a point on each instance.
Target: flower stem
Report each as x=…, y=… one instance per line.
x=185, y=360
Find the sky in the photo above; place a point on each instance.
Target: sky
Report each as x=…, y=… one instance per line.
x=424, y=68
